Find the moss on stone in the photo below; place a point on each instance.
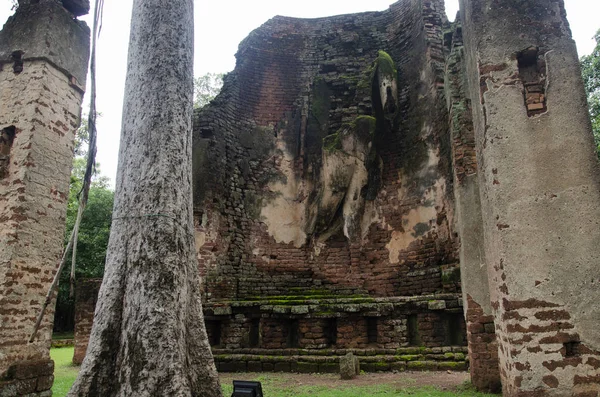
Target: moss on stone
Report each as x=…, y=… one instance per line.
x=366, y=124
x=385, y=64
x=452, y=365
x=408, y=357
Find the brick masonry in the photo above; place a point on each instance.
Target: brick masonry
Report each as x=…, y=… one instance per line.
x=259, y=158
x=317, y=238
x=483, y=348
x=86, y=295
x=40, y=104
x=538, y=181
x=274, y=218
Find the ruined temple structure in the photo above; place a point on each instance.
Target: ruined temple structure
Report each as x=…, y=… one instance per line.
x=324, y=201
x=44, y=54
x=386, y=183
x=365, y=183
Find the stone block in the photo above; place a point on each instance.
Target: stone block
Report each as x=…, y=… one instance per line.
x=30, y=369
x=308, y=368
x=436, y=305
x=45, y=383
x=348, y=367
x=299, y=309
x=422, y=366
x=232, y=366
x=329, y=368
x=267, y=367
x=222, y=310
x=452, y=366
x=282, y=367
x=254, y=366
x=398, y=366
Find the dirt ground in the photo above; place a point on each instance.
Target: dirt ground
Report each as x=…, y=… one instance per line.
x=442, y=379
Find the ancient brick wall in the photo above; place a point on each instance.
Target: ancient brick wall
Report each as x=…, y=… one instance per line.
x=389, y=333
x=539, y=184
x=263, y=227
x=483, y=347
x=86, y=295
x=40, y=110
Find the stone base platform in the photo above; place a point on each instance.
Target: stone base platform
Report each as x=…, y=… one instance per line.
x=453, y=358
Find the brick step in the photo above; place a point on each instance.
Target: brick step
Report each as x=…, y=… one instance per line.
x=343, y=352
x=330, y=364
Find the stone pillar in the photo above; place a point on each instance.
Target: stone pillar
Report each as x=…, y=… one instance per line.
x=86, y=296
x=539, y=184
x=483, y=348
x=43, y=66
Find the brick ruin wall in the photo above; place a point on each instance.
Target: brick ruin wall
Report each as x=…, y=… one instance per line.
x=539, y=180
x=483, y=347
x=265, y=180
x=86, y=295
x=40, y=104
x=259, y=163
x=288, y=270
x=294, y=238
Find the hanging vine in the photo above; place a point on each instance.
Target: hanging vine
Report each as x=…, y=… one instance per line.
x=89, y=172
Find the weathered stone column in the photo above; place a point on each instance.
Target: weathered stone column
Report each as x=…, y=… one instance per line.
x=540, y=195
x=43, y=65
x=483, y=347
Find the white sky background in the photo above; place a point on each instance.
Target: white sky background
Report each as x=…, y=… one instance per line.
x=220, y=26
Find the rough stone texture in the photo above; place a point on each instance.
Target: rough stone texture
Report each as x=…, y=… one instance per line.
x=357, y=323
x=40, y=110
x=277, y=211
x=328, y=360
x=539, y=185
x=28, y=378
x=348, y=368
x=86, y=296
x=483, y=349
x=46, y=30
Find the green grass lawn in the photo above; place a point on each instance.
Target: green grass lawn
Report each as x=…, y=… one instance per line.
x=64, y=370
x=274, y=385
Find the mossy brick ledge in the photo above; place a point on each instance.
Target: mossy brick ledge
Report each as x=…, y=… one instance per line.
x=330, y=364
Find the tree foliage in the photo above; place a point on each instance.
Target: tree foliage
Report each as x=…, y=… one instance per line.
x=206, y=88
x=93, y=231
x=590, y=67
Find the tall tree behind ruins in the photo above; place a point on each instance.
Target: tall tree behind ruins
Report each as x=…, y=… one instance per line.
x=149, y=337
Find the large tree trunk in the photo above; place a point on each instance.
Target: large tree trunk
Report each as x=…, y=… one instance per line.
x=148, y=337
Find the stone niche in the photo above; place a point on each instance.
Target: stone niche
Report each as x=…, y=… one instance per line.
x=323, y=194
x=310, y=335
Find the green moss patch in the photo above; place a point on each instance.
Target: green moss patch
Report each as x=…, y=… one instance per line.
x=385, y=64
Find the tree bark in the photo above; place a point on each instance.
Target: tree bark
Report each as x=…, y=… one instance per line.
x=148, y=337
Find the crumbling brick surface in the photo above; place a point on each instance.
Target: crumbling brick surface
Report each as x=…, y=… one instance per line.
x=528, y=107
x=86, y=295
x=258, y=158
x=483, y=348
x=28, y=378
x=43, y=54
x=43, y=107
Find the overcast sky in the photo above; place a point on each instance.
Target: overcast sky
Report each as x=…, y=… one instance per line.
x=220, y=26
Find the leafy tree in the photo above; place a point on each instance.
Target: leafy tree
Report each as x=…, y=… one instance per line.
x=206, y=88
x=93, y=232
x=590, y=67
